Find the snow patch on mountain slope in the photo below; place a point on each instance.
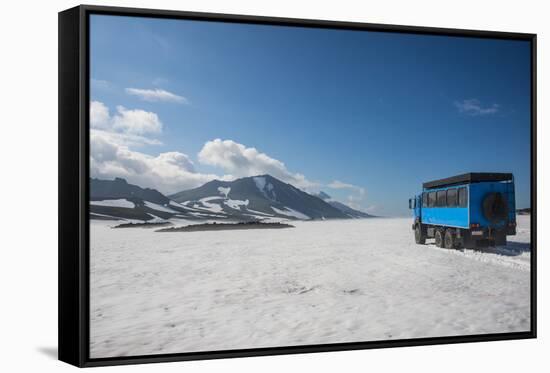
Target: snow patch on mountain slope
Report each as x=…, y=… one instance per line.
x=202, y=214
x=224, y=191
x=265, y=187
x=258, y=212
x=235, y=203
x=175, y=204
x=114, y=203
x=291, y=212
x=155, y=206
x=184, y=206
x=271, y=189
x=212, y=207
x=92, y=214
x=260, y=183
x=156, y=219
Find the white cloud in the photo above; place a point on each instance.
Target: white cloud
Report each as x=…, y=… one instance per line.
x=336, y=184
x=99, y=115
x=474, y=107
x=126, y=127
x=112, y=138
x=168, y=172
x=137, y=122
x=240, y=161
x=154, y=95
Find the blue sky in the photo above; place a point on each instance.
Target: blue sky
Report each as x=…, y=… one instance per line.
x=365, y=116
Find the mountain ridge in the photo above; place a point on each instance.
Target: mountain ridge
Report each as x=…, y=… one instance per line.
x=265, y=194
x=253, y=198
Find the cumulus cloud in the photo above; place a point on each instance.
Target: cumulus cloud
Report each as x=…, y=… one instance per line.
x=112, y=139
x=474, y=107
x=241, y=161
x=154, y=95
x=136, y=122
x=99, y=115
x=168, y=172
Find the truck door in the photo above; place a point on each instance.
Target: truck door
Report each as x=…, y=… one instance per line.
x=418, y=207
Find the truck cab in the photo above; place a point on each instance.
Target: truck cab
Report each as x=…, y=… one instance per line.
x=415, y=204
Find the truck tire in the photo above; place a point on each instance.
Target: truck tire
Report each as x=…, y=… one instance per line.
x=449, y=240
x=495, y=207
x=500, y=239
x=419, y=235
x=439, y=238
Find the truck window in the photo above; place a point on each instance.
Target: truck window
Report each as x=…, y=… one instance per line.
x=431, y=199
x=424, y=199
x=441, y=198
x=452, y=200
x=462, y=197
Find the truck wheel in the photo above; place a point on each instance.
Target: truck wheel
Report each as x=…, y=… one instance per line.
x=495, y=207
x=439, y=238
x=419, y=236
x=449, y=240
x=500, y=239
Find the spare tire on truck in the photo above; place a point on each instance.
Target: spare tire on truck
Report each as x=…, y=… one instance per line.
x=495, y=207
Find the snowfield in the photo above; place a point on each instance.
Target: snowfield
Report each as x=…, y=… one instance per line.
x=321, y=282
x=224, y=191
x=114, y=203
x=235, y=203
x=290, y=212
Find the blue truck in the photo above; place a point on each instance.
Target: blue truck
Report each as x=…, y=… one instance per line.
x=473, y=210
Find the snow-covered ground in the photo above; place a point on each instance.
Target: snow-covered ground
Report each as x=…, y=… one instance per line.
x=321, y=282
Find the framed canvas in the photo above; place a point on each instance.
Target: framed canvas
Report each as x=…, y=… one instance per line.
x=235, y=186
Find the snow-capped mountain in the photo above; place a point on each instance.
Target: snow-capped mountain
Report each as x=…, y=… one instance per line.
x=247, y=199
x=116, y=199
x=257, y=197
x=352, y=213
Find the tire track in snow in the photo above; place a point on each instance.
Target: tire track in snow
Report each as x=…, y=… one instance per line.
x=503, y=256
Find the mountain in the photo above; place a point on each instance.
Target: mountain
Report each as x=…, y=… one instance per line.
x=257, y=197
x=352, y=213
x=247, y=199
x=116, y=199
x=119, y=188
x=325, y=197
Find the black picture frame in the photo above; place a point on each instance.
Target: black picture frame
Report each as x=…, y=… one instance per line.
x=73, y=165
